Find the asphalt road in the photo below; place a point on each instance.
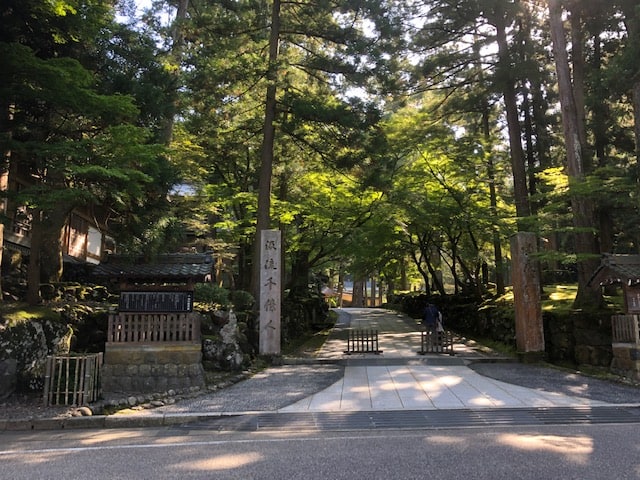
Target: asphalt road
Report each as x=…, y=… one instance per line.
x=550, y=452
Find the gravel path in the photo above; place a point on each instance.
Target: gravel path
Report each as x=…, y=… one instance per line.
x=556, y=380
x=269, y=390
x=278, y=387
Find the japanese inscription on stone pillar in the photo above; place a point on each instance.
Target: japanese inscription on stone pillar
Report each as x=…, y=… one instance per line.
x=270, y=274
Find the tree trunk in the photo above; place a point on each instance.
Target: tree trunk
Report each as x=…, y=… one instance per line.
x=577, y=63
x=391, y=288
x=636, y=123
x=493, y=202
x=177, y=40
x=632, y=24
x=51, y=246
x=243, y=280
x=340, y=287
x=45, y=251
x=600, y=115
x=521, y=193
x=6, y=117
x=374, y=290
x=33, y=272
x=268, y=137
x=583, y=213
x=299, y=282
x=539, y=109
x=357, y=299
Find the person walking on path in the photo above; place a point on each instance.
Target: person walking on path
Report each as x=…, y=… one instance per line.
x=431, y=317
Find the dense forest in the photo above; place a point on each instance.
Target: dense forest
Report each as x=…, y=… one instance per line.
x=391, y=139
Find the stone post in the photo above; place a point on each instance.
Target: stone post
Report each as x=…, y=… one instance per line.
x=526, y=293
x=270, y=292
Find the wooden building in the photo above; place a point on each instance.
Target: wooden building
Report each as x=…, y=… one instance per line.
x=623, y=271
x=153, y=339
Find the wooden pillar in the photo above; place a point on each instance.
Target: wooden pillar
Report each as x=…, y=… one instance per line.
x=526, y=293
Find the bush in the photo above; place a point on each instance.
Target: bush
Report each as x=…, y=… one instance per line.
x=211, y=294
x=242, y=301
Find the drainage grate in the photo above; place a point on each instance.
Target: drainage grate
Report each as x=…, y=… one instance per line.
x=418, y=419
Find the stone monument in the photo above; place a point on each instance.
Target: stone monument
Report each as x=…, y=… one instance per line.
x=270, y=292
x=526, y=293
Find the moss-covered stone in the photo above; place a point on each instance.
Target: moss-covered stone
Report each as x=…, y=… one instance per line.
x=29, y=342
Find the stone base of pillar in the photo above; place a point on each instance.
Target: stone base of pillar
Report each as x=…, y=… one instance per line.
x=531, y=357
x=131, y=368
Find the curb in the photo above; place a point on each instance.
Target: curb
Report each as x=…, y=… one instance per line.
x=98, y=421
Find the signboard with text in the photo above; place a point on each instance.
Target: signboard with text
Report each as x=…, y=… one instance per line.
x=633, y=300
x=156, y=301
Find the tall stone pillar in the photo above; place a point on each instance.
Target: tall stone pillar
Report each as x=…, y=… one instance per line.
x=526, y=292
x=270, y=292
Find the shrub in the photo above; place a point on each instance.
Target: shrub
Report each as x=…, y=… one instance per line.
x=211, y=294
x=242, y=301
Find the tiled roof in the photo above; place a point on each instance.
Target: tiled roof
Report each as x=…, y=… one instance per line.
x=618, y=269
x=167, y=267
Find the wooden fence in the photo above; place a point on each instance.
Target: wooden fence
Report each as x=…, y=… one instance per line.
x=72, y=380
x=362, y=341
x=153, y=327
x=436, y=342
x=624, y=329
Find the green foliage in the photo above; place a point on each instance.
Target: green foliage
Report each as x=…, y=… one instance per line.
x=439, y=203
x=366, y=180
x=15, y=314
x=242, y=301
x=211, y=294
x=76, y=128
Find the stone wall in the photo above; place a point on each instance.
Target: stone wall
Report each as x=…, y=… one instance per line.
x=579, y=338
x=576, y=338
x=24, y=347
x=626, y=360
x=144, y=368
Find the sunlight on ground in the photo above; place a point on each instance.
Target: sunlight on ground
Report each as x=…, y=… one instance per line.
x=446, y=439
x=576, y=449
x=398, y=385
x=559, y=297
x=108, y=436
x=363, y=389
x=449, y=380
x=563, y=293
x=482, y=401
x=223, y=462
x=36, y=458
x=386, y=386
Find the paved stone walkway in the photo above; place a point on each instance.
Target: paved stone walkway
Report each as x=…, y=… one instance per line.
x=399, y=378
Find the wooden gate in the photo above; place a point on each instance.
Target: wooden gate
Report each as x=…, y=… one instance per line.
x=72, y=379
x=362, y=341
x=436, y=342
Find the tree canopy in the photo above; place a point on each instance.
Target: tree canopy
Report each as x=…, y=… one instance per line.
x=410, y=139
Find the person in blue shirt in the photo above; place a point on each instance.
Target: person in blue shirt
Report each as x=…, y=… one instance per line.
x=431, y=317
